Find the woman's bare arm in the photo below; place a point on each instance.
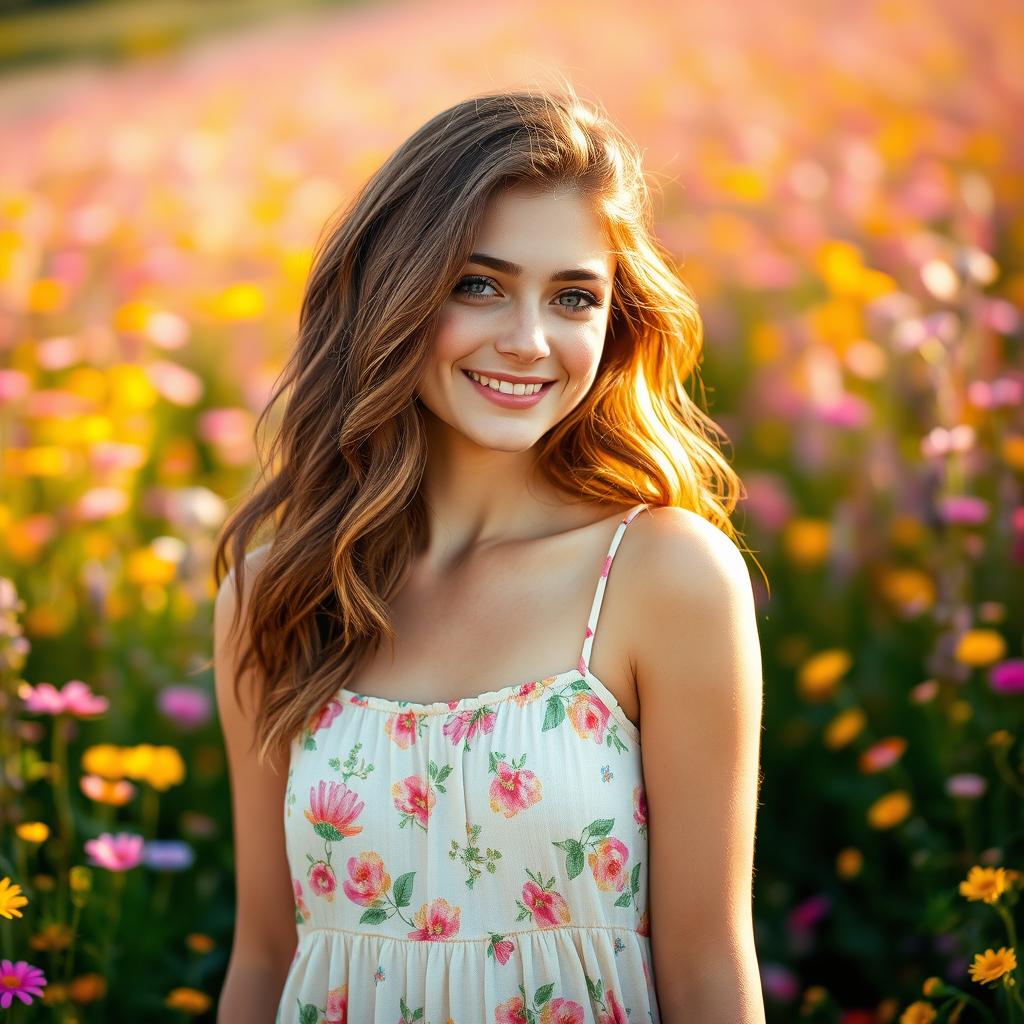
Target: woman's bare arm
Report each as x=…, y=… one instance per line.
x=265, y=935
x=699, y=676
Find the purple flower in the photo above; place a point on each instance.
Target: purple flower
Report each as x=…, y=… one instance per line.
x=1007, y=676
x=19, y=979
x=967, y=785
x=188, y=707
x=168, y=855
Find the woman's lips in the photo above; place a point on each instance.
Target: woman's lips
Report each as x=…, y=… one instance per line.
x=509, y=401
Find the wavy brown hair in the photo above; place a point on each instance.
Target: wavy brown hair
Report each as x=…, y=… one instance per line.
x=339, y=488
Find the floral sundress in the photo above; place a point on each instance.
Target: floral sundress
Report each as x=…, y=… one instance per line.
x=476, y=861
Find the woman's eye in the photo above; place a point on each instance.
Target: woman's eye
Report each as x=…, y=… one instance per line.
x=583, y=300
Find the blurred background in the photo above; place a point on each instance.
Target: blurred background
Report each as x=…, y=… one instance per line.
x=841, y=185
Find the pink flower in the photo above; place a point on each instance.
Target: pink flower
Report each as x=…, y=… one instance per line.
x=322, y=881
x=512, y=1011
x=807, y=914
x=561, y=1011
x=549, y=907
x=437, y=922
x=337, y=1005
x=120, y=852
x=608, y=863
x=327, y=714
x=367, y=881
x=614, y=1014
x=333, y=809
x=301, y=910
x=514, y=789
x=967, y=785
x=1007, y=676
x=963, y=509
x=588, y=717
x=188, y=707
x=466, y=724
x=413, y=796
x=402, y=729
x=501, y=948
x=640, y=807
x=19, y=979
x=74, y=698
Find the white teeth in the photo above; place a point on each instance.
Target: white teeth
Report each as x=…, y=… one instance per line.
x=504, y=386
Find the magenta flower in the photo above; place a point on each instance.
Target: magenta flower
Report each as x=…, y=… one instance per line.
x=21, y=980
x=116, y=853
x=74, y=698
x=1007, y=676
x=963, y=509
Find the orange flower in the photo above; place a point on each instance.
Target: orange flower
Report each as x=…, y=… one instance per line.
x=890, y=810
x=992, y=965
x=986, y=884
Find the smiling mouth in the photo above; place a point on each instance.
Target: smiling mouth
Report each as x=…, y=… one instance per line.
x=516, y=389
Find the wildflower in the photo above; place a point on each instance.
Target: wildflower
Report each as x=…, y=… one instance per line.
x=32, y=831
x=920, y=1012
x=115, y=853
x=199, y=943
x=168, y=855
x=967, y=785
x=74, y=698
x=992, y=965
x=881, y=755
x=104, y=791
x=889, y=810
x=1007, y=676
x=980, y=647
x=54, y=936
x=844, y=728
x=188, y=1000
x=820, y=674
x=933, y=986
x=161, y=767
x=105, y=760
x=10, y=899
x=849, y=862
x=19, y=979
x=986, y=884
x=80, y=879
x=87, y=988
x=189, y=707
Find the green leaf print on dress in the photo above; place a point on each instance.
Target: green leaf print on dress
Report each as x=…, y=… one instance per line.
x=607, y=858
x=470, y=855
x=585, y=712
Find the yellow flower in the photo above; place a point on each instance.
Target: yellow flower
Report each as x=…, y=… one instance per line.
x=844, y=728
x=53, y=936
x=33, y=831
x=807, y=541
x=87, y=988
x=979, y=647
x=890, y=810
x=991, y=965
x=105, y=760
x=918, y=1013
x=986, y=884
x=188, y=1000
x=161, y=767
x=10, y=899
x=849, y=862
x=820, y=674
x=933, y=986
x=80, y=878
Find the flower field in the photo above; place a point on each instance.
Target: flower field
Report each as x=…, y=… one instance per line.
x=843, y=186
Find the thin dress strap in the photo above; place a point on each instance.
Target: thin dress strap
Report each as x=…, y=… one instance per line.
x=602, y=583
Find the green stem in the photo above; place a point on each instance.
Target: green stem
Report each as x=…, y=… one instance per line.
x=62, y=797
x=116, y=898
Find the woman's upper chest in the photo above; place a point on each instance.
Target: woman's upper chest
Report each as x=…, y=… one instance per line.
x=507, y=617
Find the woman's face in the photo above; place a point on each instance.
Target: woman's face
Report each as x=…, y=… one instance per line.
x=531, y=305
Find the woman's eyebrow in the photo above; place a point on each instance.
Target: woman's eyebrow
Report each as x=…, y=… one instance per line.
x=514, y=270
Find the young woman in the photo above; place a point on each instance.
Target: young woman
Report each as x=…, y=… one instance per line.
x=538, y=802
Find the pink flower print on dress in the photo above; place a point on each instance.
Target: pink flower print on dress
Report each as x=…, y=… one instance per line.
x=608, y=864
x=562, y=1011
x=515, y=789
x=336, y=1010
x=327, y=714
x=589, y=717
x=436, y=921
x=402, y=728
x=540, y=901
x=301, y=910
x=333, y=809
x=466, y=724
x=322, y=880
x=367, y=880
x=640, y=809
x=613, y=1012
x=512, y=1011
x=500, y=948
x=529, y=692
x=415, y=799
